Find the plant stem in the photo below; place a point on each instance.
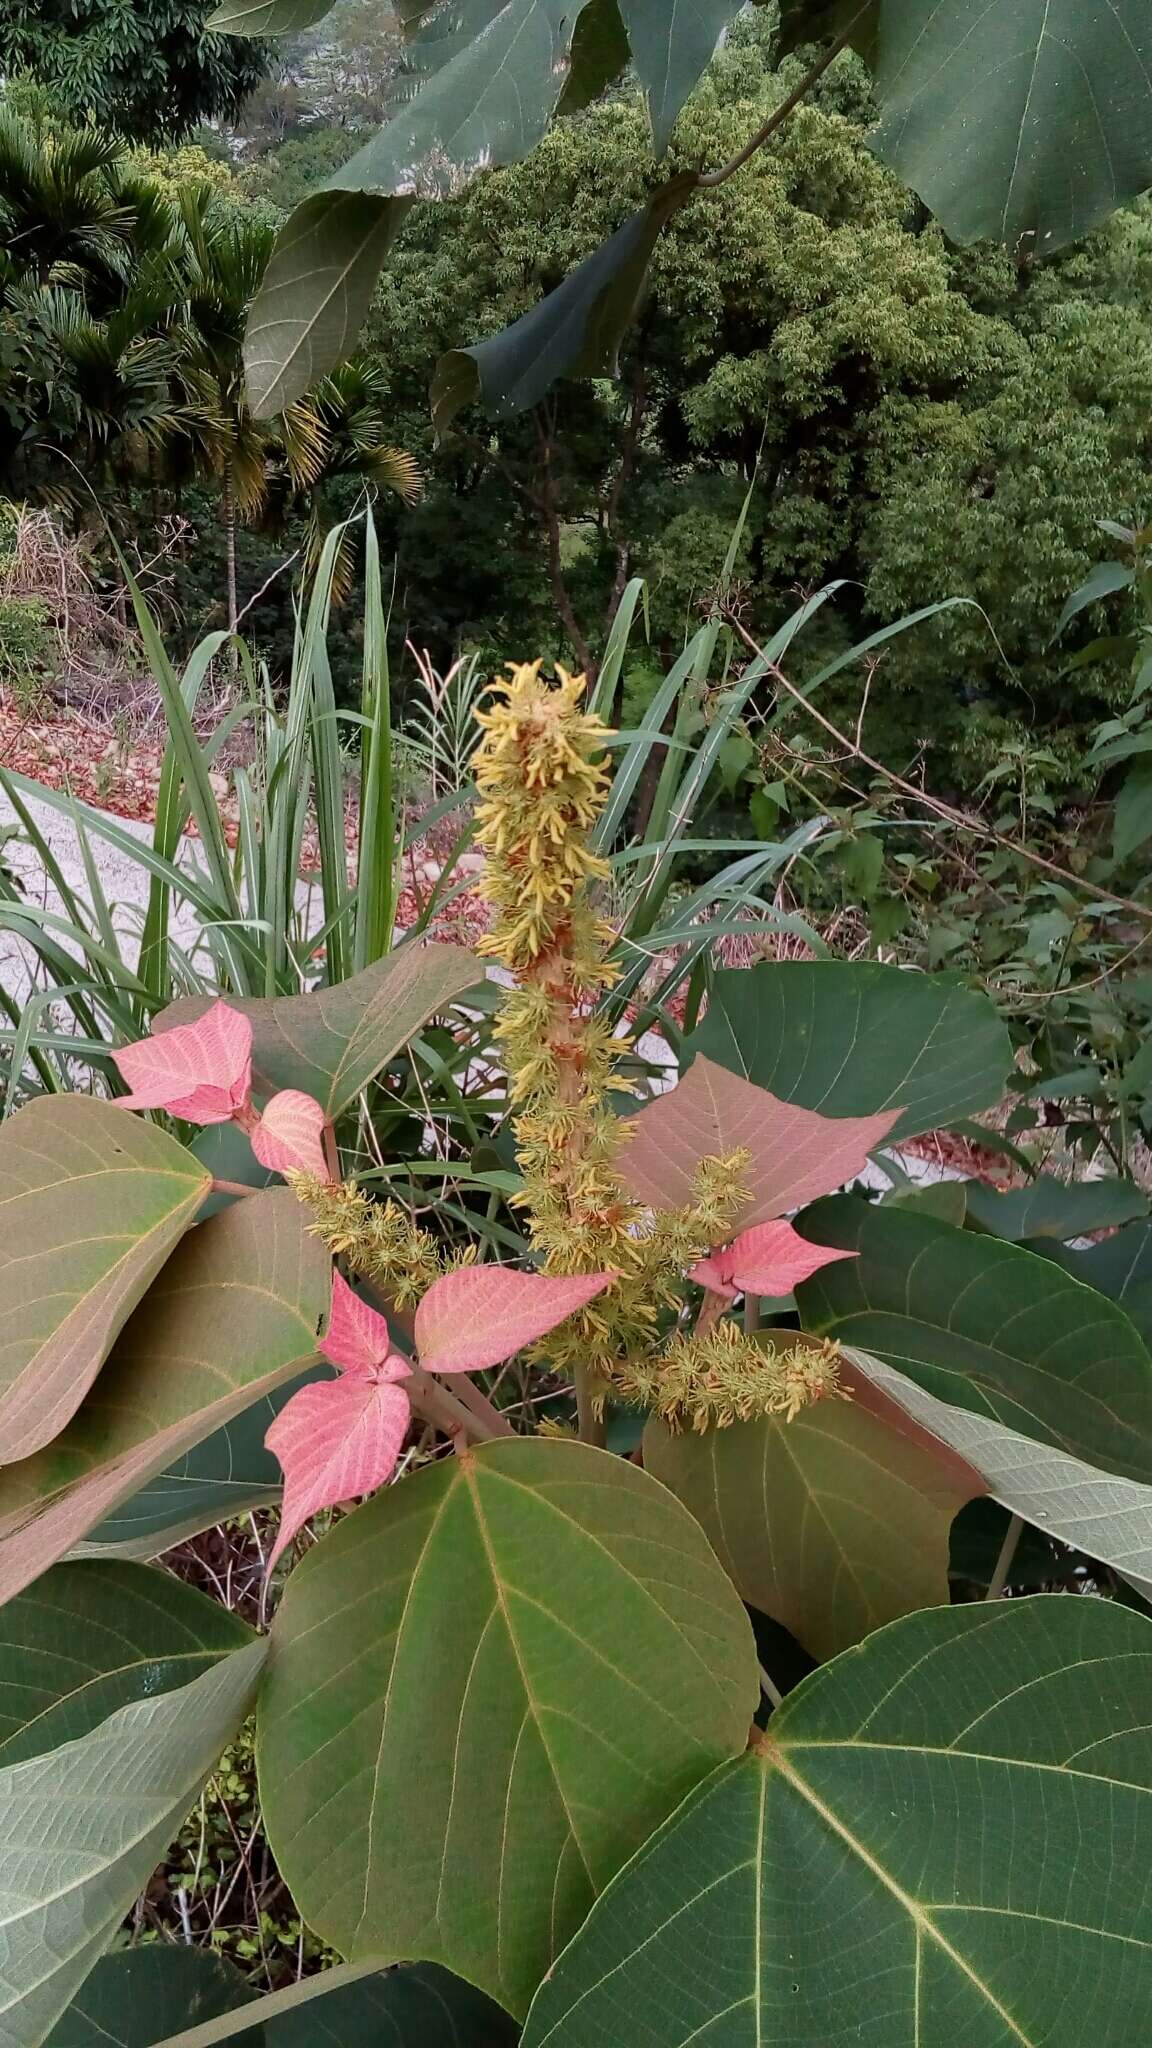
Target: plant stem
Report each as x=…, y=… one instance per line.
x=232, y=1187
x=999, y=1577
x=437, y=1404
x=475, y=1399
x=709, y=181
x=770, y=1689
x=590, y=1425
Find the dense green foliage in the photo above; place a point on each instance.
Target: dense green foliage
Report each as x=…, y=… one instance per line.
x=148, y=73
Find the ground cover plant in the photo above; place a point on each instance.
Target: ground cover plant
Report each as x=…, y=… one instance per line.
x=531, y=1719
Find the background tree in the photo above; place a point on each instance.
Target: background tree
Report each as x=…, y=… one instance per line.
x=149, y=73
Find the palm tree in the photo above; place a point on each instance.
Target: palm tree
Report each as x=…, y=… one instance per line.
x=335, y=430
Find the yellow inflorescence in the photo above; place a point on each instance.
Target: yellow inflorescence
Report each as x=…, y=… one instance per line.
x=377, y=1239
x=711, y=1381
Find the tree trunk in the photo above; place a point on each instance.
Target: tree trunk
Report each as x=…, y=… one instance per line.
x=229, y=516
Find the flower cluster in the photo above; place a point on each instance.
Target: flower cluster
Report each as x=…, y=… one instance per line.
x=711, y=1379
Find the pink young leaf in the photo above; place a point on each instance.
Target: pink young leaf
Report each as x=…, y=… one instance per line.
x=200, y=1071
x=289, y=1135
x=335, y=1440
x=771, y=1259
x=358, y=1339
x=796, y=1154
x=484, y=1314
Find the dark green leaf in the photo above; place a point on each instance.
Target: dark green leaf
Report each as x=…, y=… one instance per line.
x=923, y=1851
x=1105, y=578
x=1054, y=1208
x=89, y=1638
x=83, y=1828
x=1121, y=1267
x=1101, y=1517
x=673, y=41
x=1132, y=814
x=419, y=2006
x=978, y=1535
x=575, y=332
x=315, y=292
x=986, y=1326
x=332, y=1043
x=600, y=55
x=818, y=21
x=833, y=1524
x=519, y=1660
x=851, y=1038
x=1028, y=123
x=136, y=1998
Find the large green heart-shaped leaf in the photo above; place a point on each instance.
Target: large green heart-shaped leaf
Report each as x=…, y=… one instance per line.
x=488, y=77
x=673, y=41
x=92, y=1201
x=234, y=1315
x=134, y=1999
x=89, y=1638
x=850, y=1038
x=1054, y=1208
x=84, y=1828
x=833, y=1524
x=575, y=332
x=332, y=1043
x=228, y=1474
x=488, y=1685
x=316, y=292
x=1102, y=1517
x=986, y=1326
x=935, y=1843
x=1029, y=123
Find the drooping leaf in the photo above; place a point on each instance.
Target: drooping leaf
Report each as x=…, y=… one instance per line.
x=336, y=1440
x=267, y=17
x=228, y=1474
x=1028, y=124
x=851, y=1038
x=923, y=1850
x=575, y=332
x=234, y=1315
x=91, y=1203
x=481, y=1315
x=989, y=1327
x=358, y=1338
x=84, y=1828
x=488, y=75
x=600, y=55
x=1054, y=1208
x=138, y=1997
x=316, y=292
x=359, y=2006
x=1102, y=581
x=673, y=41
x=89, y=1638
x=833, y=1524
x=1105, y=1518
x=796, y=1154
x=519, y=1661
x=332, y=1043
